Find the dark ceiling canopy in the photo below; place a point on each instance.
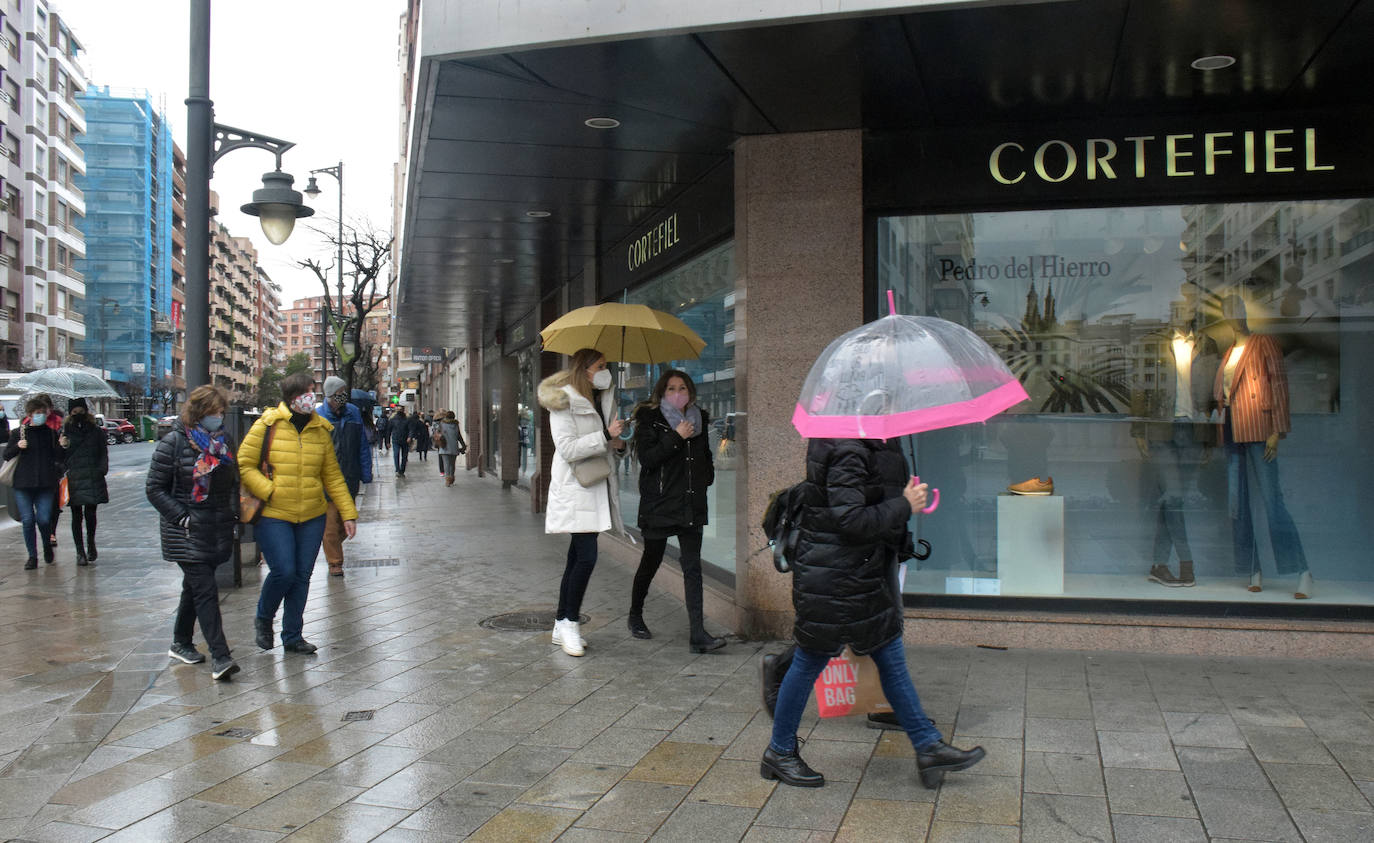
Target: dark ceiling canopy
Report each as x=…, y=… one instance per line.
x=505, y=134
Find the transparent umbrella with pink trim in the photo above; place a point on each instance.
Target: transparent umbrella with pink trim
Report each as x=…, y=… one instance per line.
x=901, y=375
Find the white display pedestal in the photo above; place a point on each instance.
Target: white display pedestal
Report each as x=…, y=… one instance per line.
x=1030, y=544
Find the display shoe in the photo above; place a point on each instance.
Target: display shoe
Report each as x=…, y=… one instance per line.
x=1033, y=486
x=567, y=635
x=637, y=627
x=1304, y=589
x=789, y=769
x=1256, y=584
x=705, y=642
x=302, y=646
x=1185, y=574
x=262, y=633
x=1161, y=575
x=185, y=653
x=940, y=758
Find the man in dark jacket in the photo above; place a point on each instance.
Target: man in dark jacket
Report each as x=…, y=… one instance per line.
x=843, y=591
x=399, y=427
x=419, y=437
x=355, y=461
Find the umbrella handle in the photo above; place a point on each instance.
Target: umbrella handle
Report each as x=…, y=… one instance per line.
x=935, y=495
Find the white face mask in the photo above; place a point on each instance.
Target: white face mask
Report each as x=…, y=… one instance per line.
x=602, y=379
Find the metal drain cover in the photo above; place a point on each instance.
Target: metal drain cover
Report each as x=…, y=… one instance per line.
x=236, y=733
x=525, y=620
x=388, y=562
x=365, y=714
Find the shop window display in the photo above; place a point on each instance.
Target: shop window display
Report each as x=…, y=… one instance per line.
x=701, y=294
x=1198, y=415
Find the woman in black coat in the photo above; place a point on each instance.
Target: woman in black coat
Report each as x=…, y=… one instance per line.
x=845, y=592
x=193, y=483
x=675, y=468
x=37, y=447
x=88, y=461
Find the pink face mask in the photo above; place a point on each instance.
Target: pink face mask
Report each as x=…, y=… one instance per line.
x=304, y=403
x=676, y=400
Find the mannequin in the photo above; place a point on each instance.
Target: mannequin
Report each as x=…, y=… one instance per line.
x=1176, y=440
x=1251, y=387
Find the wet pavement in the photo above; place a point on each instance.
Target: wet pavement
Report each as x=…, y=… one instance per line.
x=415, y=723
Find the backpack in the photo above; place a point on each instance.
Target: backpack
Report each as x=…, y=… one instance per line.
x=782, y=522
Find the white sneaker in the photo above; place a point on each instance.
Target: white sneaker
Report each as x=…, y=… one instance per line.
x=566, y=635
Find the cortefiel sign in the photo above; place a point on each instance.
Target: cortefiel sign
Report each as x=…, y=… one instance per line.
x=1168, y=158
x=426, y=354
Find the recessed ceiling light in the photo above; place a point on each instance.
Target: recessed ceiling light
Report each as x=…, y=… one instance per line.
x=601, y=122
x=1216, y=62
x=538, y=215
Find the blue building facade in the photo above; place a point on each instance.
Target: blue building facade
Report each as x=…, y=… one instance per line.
x=128, y=228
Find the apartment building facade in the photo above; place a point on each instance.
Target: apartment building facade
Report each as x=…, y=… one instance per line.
x=306, y=330
x=42, y=320
x=234, y=274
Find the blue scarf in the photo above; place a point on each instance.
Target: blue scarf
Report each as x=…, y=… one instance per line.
x=213, y=452
x=691, y=413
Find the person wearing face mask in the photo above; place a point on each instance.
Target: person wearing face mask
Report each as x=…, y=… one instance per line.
x=193, y=483
x=354, y=454
x=40, y=453
x=581, y=406
x=674, y=470
x=301, y=471
x=88, y=461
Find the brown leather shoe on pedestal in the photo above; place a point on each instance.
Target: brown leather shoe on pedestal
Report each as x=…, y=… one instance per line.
x=1033, y=486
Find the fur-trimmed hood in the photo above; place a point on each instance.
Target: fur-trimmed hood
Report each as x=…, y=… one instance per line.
x=552, y=395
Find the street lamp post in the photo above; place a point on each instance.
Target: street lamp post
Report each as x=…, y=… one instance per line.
x=276, y=204
x=104, y=318
x=312, y=189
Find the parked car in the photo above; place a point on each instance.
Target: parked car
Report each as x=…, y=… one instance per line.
x=119, y=430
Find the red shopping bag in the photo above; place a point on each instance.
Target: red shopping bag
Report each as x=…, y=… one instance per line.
x=850, y=685
x=63, y=496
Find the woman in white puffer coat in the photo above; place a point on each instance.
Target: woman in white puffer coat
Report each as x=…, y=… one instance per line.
x=581, y=405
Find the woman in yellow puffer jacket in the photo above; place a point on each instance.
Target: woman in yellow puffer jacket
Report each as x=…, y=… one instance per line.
x=303, y=471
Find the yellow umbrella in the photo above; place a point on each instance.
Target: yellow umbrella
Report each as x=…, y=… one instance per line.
x=627, y=333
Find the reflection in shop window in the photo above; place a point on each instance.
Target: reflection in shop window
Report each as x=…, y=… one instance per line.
x=1120, y=324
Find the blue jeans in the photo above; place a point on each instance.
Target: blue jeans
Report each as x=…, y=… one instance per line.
x=290, y=550
x=897, y=687
x=35, y=511
x=400, y=455
x=1243, y=461
x=1175, y=461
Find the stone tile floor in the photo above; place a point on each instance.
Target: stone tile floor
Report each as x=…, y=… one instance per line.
x=499, y=736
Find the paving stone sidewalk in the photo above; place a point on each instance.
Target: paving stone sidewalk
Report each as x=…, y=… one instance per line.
x=499, y=736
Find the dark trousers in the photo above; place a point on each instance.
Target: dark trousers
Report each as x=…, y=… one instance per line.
x=577, y=574
x=400, y=455
x=689, y=540
x=199, y=602
x=86, y=514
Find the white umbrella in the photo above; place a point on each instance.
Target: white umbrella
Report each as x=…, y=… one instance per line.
x=64, y=382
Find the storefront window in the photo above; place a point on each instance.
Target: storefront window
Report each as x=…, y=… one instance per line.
x=491, y=374
x=701, y=294
x=527, y=361
x=1198, y=424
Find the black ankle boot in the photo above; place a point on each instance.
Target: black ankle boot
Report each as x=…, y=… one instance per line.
x=789, y=769
x=940, y=758
x=637, y=627
x=90, y=547
x=262, y=629
x=771, y=671
x=704, y=642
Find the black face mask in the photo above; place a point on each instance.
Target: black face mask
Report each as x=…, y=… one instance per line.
x=337, y=404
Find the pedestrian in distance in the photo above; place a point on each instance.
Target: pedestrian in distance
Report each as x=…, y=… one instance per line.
x=454, y=445
x=37, y=447
x=193, y=482
x=675, y=469
x=581, y=405
x=302, y=472
x=354, y=454
x=844, y=591
x=419, y=436
x=88, y=461
x=400, y=440
x=55, y=421
x=384, y=430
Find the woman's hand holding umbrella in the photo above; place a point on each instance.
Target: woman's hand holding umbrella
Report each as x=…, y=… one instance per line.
x=915, y=494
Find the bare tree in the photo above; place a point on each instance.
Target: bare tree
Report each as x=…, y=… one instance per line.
x=366, y=253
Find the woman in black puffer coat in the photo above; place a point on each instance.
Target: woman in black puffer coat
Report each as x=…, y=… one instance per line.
x=674, y=470
x=88, y=461
x=193, y=483
x=844, y=591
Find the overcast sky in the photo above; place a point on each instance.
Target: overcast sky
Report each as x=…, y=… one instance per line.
x=320, y=73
